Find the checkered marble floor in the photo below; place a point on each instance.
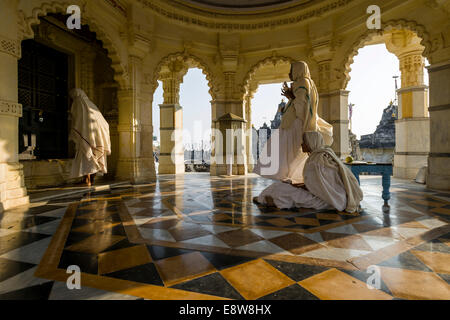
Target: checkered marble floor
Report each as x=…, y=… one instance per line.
x=201, y=237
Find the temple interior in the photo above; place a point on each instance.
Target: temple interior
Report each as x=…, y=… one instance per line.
x=154, y=231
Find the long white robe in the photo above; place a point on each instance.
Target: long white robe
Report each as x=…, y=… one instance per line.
x=318, y=181
x=90, y=132
x=286, y=196
x=282, y=157
x=329, y=183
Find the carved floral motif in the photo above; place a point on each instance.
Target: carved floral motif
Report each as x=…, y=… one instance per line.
x=11, y=47
x=10, y=108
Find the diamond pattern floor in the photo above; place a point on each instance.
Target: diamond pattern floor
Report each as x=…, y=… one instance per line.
x=197, y=237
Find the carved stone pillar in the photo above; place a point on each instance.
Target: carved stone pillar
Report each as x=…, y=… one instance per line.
x=146, y=116
x=439, y=158
x=333, y=102
x=229, y=130
x=333, y=108
x=87, y=58
x=412, y=129
x=12, y=188
x=171, y=160
x=132, y=165
x=229, y=151
x=251, y=159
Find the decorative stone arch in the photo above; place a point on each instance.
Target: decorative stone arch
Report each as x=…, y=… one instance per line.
x=190, y=61
x=413, y=119
x=27, y=22
x=274, y=60
x=387, y=26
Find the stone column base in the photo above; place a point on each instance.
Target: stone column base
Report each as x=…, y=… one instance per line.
x=166, y=166
x=222, y=170
x=333, y=108
x=136, y=170
x=439, y=171
x=340, y=144
x=12, y=186
x=407, y=165
x=412, y=145
x=439, y=160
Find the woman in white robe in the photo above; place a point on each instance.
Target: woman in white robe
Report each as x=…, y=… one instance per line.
x=90, y=132
x=329, y=184
x=300, y=115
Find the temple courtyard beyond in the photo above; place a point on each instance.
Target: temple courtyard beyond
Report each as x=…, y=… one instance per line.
x=146, y=231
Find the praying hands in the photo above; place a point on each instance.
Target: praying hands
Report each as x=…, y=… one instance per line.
x=287, y=92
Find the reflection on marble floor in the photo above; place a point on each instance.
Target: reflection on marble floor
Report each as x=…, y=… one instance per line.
x=201, y=237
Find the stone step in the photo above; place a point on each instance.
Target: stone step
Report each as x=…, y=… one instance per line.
x=14, y=166
x=13, y=175
x=12, y=203
x=16, y=193
x=15, y=184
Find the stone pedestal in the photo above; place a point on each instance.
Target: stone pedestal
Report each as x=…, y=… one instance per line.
x=229, y=146
x=171, y=158
x=439, y=158
x=333, y=108
x=229, y=130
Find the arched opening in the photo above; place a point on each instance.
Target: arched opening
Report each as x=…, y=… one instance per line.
x=53, y=62
x=182, y=116
x=263, y=101
x=158, y=99
x=196, y=102
x=389, y=81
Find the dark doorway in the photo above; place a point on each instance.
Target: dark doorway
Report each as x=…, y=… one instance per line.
x=43, y=93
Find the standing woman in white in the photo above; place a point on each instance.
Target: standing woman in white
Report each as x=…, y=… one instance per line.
x=90, y=132
x=299, y=115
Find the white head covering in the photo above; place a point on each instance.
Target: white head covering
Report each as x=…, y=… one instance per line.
x=300, y=70
x=74, y=93
x=311, y=120
x=318, y=183
x=90, y=132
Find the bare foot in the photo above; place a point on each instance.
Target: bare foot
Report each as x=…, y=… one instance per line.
x=88, y=180
x=269, y=201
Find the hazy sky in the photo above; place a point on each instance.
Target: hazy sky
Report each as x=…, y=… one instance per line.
x=371, y=89
x=372, y=86
x=196, y=102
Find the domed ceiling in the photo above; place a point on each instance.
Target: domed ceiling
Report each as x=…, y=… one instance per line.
x=243, y=5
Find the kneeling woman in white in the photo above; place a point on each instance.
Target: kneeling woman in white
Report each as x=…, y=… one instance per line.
x=329, y=184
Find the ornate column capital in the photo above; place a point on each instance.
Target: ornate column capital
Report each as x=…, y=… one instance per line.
x=172, y=76
x=406, y=46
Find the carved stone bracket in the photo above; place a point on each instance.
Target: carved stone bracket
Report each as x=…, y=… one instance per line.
x=10, y=108
x=11, y=47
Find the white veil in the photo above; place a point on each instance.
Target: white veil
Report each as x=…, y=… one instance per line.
x=90, y=132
